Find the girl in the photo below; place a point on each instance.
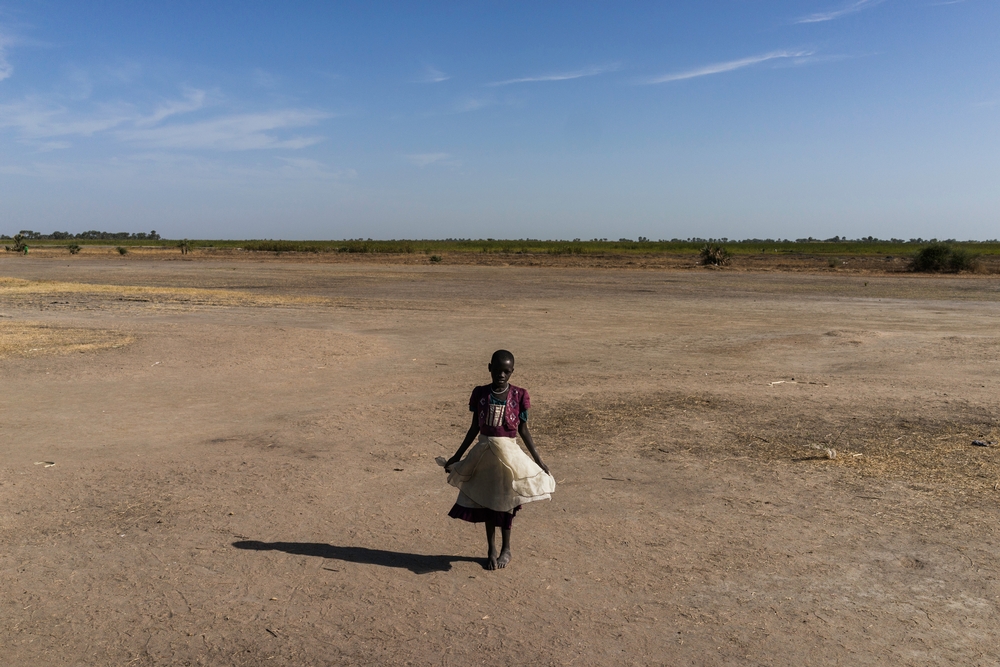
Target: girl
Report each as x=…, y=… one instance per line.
x=496, y=478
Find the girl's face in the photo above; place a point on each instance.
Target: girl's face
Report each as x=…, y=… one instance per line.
x=501, y=372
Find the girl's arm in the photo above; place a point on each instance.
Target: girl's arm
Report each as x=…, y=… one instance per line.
x=469, y=437
x=525, y=434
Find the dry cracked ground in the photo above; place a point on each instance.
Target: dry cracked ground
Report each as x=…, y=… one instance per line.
x=216, y=462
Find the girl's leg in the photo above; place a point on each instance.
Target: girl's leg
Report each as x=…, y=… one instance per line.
x=504, y=548
x=491, y=562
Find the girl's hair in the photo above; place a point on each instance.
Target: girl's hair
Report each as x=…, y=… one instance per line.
x=501, y=356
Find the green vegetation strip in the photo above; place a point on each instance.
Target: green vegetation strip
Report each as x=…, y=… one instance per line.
x=539, y=247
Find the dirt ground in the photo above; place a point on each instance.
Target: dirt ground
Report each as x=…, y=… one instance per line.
x=222, y=462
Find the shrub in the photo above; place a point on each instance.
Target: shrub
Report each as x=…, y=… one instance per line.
x=941, y=257
x=834, y=263
x=435, y=258
x=122, y=250
x=74, y=248
x=714, y=255
x=19, y=245
x=962, y=260
x=282, y=246
x=931, y=258
x=185, y=246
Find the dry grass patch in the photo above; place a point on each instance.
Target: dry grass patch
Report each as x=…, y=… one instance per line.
x=933, y=454
x=28, y=292
x=20, y=339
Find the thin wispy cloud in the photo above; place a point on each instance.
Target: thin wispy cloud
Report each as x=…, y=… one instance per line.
x=561, y=76
x=49, y=146
x=431, y=75
x=6, y=70
x=193, y=100
x=427, y=159
x=48, y=126
x=264, y=79
x=126, y=72
x=56, y=170
x=853, y=8
x=299, y=168
x=183, y=169
x=200, y=168
x=33, y=119
x=474, y=104
x=828, y=58
x=728, y=66
x=230, y=133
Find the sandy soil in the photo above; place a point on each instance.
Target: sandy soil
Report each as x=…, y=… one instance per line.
x=243, y=465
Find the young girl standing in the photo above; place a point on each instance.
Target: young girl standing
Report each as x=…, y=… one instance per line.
x=497, y=477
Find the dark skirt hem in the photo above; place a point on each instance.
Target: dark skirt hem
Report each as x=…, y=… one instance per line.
x=482, y=514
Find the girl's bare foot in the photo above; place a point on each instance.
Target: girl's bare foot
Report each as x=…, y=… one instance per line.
x=504, y=558
x=492, y=563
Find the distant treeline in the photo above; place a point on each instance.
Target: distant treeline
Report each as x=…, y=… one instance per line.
x=92, y=235
x=528, y=246
x=642, y=245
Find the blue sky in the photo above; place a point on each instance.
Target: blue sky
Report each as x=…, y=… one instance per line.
x=502, y=119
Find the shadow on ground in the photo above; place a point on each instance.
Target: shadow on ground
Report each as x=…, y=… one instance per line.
x=416, y=563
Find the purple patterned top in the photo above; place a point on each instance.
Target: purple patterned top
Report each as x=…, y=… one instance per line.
x=499, y=419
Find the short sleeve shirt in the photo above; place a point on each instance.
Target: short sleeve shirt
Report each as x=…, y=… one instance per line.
x=498, y=418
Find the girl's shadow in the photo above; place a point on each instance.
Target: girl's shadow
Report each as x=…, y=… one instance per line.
x=416, y=563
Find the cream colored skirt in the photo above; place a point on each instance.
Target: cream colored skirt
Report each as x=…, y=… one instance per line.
x=497, y=474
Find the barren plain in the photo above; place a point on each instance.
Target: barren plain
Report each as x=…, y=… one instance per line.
x=221, y=462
